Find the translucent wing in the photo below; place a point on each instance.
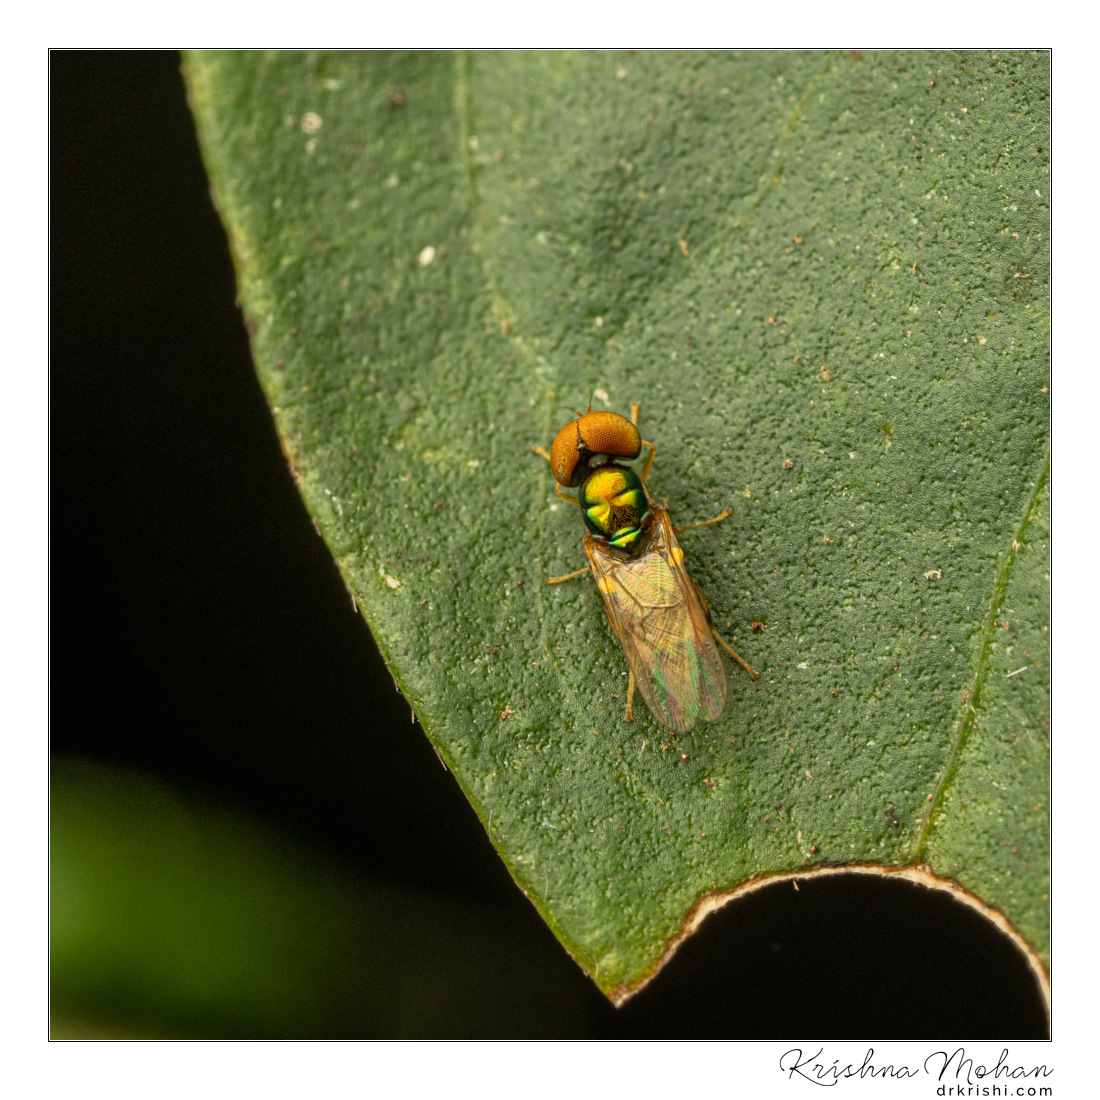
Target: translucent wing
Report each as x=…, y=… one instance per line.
x=658, y=617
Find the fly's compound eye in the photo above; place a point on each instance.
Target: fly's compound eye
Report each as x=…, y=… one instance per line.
x=593, y=433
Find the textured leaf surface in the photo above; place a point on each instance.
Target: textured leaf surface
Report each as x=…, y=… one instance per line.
x=824, y=277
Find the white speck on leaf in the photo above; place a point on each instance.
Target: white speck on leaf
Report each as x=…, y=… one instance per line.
x=427, y=256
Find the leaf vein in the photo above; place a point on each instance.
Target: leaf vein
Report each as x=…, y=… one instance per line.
x=967, y=715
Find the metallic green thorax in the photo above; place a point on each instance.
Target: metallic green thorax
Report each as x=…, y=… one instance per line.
x=615, y=505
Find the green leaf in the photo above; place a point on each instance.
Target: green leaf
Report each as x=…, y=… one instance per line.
x=824, y=277
x=177, y=915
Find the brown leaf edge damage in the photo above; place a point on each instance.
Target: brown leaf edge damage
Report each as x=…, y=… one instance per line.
x=919, y=874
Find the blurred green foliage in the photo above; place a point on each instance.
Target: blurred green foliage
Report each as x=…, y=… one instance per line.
x=173, y=915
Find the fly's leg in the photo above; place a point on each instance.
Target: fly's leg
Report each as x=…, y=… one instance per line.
x=542, y=453
x=568, y=576
x=733, y=653
x=629, y=716
x=725, y=514
x=648, y=464
x=718, y=637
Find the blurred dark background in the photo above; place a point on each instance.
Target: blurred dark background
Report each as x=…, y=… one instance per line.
x=201, y=633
